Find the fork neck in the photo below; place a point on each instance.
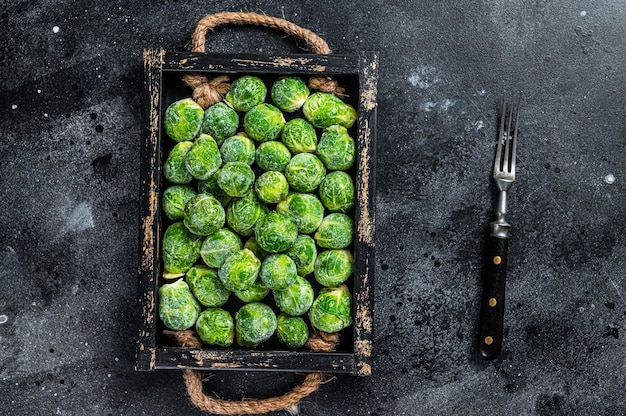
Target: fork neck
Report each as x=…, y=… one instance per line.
x=500, y=227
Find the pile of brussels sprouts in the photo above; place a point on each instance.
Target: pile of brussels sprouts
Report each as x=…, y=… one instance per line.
x=258, y=201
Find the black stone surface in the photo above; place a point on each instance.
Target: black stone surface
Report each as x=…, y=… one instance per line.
x=70, y=87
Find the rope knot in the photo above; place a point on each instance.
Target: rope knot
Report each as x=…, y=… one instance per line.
x=206, y=91
x=326, y=84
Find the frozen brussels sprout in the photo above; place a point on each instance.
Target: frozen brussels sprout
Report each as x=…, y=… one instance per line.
x=236, y=178
x=219, y=245
x=246, y=92
x=335, y=231
x=220, y=122
x=174, y=199
x=336, y=148
x=289, y=93
x=331, y=311
x=292, y=331
x=243, y=213
x=204, y=214
x=271, y=187
x=272, y=155
x=278, y=271
x=206, y=286
x=263, y=123
x=323, y=109
x=203, y=159
x=238, y=148
x=255, y=293
x=305, y=172
x=299, y=136
x=183, y=120
x=174, y=168
x=337, y=192
x=306, y=210
x=240, y=270
x=215, y=326
x=255, y=323
x=178, y=309
x=296, y=299
x=275, y=232
x=180, y=249
x=333, y=267
x=252, y=244
x=303, y=252
x=210, y=186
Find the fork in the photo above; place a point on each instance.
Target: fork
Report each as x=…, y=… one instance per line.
x=492, y=305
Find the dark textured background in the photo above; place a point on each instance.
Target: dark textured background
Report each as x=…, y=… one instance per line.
x=70, y=105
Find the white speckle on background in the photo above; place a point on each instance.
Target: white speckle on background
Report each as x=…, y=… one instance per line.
x=424, y=76
x=428, y=106
x=610, y=179
x=478, y=125
x=55, y=29
x=447, y=103
x=583, y=13
x=3, y=319
x=80, y=219
x=14, y=107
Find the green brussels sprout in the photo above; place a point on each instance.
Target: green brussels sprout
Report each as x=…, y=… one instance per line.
x=323, y=109
x=240, y=270
x=253, y=246
x=215, y=326
x=238, y=148
x=303, y=252
x=255, y=323
x=203, y=159
x=296, y=299
x=336, y=148
x=174, y=199
x=243, y=213
x=333, y=267
x=174, y=168
x=236, y=178
x=289, y=93
x=278, y=271
x=306, y=210
x=299, y=136
x=335, y=231
x=178, y=309
x=337, y=192
x=204, y=214
x=206, y=286
x=305, y=172
x=255, y=293
x=271, y=187
x=264, y=122
x=275, y=232
x=272, y=155
x=180, y=248
x=219, y=245
x=220, y=122
x=292, y=331
x=183, y=119
x=246, y=92
x=331, y=311
x=209, y=186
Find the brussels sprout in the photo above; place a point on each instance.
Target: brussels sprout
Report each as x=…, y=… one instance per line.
x=203, y=159
x=206, y=286
x=210, y=186
x=254, y=323
x=305, y=172
x=238, y=148
x=323, y=109
x=180, y=248
x=255, y=293
x=336, y=148
x=337, y=192
x=306, y=210
x=296, y=299
x=333, y=267
x=303, y=252
x=218, y=246
x=178, y=309
x=292, y=331
x=240, y=270
x=332, y=309
x=243, y=213
x=236, y=178
x=271, y=187
x=278, y=271
x=174, y=200
x=220, y=122
x=299, y=136
x=246, y=92
x=289, y=93
x=183, y=119
x=174, y=168
x=275, y=232
x=253, y=246
x=215, y=326
x=264, y=122
x=335, y=231
x=272, y=155
x=204, y=214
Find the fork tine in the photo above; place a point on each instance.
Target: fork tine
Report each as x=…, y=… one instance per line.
x=497, y=165
x=507, y=151
x=514, y=144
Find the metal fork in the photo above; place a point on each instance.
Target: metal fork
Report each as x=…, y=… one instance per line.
x=492, y=306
